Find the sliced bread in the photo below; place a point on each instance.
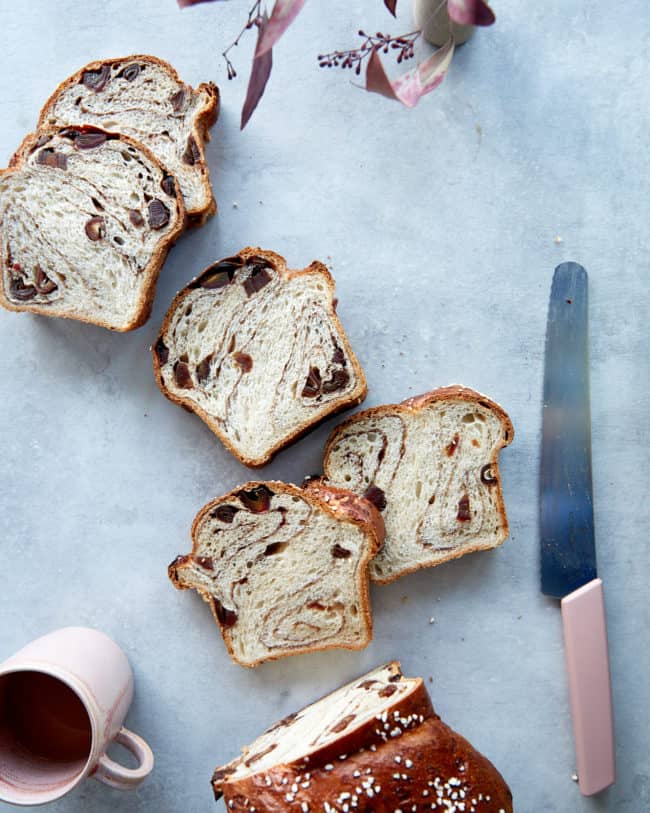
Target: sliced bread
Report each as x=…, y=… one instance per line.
x=258, y=352
x=284, y=569
x=373, y=746
x=430, y=466
x=143, y=97
x=86, y=220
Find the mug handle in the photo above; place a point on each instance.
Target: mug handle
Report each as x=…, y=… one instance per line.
x=117, y=776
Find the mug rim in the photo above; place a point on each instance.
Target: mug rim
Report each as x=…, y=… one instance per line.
x=69, y=679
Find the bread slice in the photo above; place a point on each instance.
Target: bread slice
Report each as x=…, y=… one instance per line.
x=86, y=219
x=430, y=465
x=258, y=353
x=373, y=746
x=143, y=97
x=284, y=569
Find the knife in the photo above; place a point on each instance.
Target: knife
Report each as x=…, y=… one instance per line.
x=568, y=550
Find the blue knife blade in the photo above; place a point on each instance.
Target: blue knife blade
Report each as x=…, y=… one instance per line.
x=567, y=528
x=568, y=549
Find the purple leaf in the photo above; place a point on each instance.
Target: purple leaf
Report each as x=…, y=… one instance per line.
x=391, y=5
x=470, y=12
x=376, y=79
x=259, y=77
x=283, y=14
x=187, y=3
x=411, y=86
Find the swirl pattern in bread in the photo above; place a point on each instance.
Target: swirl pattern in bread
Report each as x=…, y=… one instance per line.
x=284, y=569
x=430, y=465
x=258, y=352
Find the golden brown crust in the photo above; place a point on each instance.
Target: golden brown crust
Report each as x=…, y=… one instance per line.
x=433, y=750
x=460, y=393
x=409, y=759
x=414, y=404
x=352, y=400
x=205, y=118
x=150, y=273
x=346, y=504
x=341, y=510
x=204, y=121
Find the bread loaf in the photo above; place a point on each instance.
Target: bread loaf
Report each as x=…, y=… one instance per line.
x=430, y=466
x=258, y=352
x=284, y=569
x=373, y=746
x=86, y=220
x=143, y=97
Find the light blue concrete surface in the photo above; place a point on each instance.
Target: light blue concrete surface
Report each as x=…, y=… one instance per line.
x=439, y=225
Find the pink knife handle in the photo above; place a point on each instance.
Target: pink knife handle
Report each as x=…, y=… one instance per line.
x=585, y=642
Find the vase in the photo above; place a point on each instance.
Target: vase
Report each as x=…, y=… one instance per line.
x=432, y=18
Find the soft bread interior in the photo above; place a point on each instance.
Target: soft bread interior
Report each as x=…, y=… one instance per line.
x=142, y=99
x=283, y=574
x=325, y=721
x=77, y=233
x=433, y=468
x=262, y=356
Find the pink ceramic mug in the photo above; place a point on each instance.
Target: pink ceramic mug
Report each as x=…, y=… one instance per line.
x=63, y=699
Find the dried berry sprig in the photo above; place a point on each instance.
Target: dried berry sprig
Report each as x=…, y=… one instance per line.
x=402, y=46
x=411, y=86
x=253, y=20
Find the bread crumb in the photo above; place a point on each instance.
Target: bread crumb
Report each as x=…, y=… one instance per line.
x=404, y=599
